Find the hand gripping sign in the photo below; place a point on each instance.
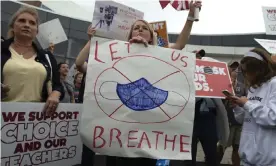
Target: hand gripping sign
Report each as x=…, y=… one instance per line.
x=136, y=99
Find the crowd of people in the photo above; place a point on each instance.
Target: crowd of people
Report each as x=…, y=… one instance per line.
x=30, y=74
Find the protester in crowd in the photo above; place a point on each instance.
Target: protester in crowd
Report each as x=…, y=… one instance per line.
x=67, y=86
x=235, y=127
x=30, y=73
x=77, y=83
x=257, y=111
x=199, y=53
x=205, y=125
x=141, y=32
x=51, y=48
x=160, y=41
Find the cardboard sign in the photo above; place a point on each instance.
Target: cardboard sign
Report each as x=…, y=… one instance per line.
x=160, y=29
x=51, y=32
x=138, y=100
x=269, y=45
x=113, y=20
x=269, y=14
x=211, y=78
x=29, y=137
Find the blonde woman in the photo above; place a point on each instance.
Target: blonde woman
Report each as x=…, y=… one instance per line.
x=141, y=32
x=30, y=74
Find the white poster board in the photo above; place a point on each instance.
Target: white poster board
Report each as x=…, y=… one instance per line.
x=139, y=100
x=113, y=20
x=269, y=14
x=28, y=137
x=51, y=32
x=269, y=45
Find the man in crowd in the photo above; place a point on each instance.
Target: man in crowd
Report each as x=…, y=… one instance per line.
x=235, y=127
x=205, y=126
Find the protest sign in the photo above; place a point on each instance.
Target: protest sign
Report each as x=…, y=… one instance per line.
x=138, y=100
x=51, y=32
x=211, y=78
x=160, y=29
x=269, y=45
x=29, y=137
x=269, y=14
x=113, y=20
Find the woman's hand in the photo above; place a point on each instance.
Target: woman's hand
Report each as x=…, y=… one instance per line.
x=240, y=101
x=193, y=5
x=138, y=39
x=52, y=103
x=4, y=90
x=91, y=31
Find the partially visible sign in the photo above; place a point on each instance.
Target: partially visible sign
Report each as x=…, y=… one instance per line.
x=113, y=20
x=269, y=14
x=269, y=45
x=211, y=78
x=176, y=4
x=160, y=29
x=51, y=32
x=29, y=137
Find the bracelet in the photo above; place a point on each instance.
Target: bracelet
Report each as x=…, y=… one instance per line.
x=191, y=18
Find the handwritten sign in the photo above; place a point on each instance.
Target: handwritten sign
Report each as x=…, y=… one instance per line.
x=160, y=29
x=51, y=32
x=269, y=14
x=113, y=20
x=138, y=100
x=211, y=78
x=269, y=45
x=29, y=137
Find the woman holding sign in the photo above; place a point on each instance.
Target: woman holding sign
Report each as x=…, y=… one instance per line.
x=141, y=32
x=257, y=111
x=28, y=74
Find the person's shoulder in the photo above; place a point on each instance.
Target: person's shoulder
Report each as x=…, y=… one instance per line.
x=269, y=85
x=273, y=78
x=273, y=81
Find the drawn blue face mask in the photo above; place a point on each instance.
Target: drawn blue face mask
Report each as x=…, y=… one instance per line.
x=141, y=95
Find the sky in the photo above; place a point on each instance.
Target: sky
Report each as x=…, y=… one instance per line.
x=216, y=16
